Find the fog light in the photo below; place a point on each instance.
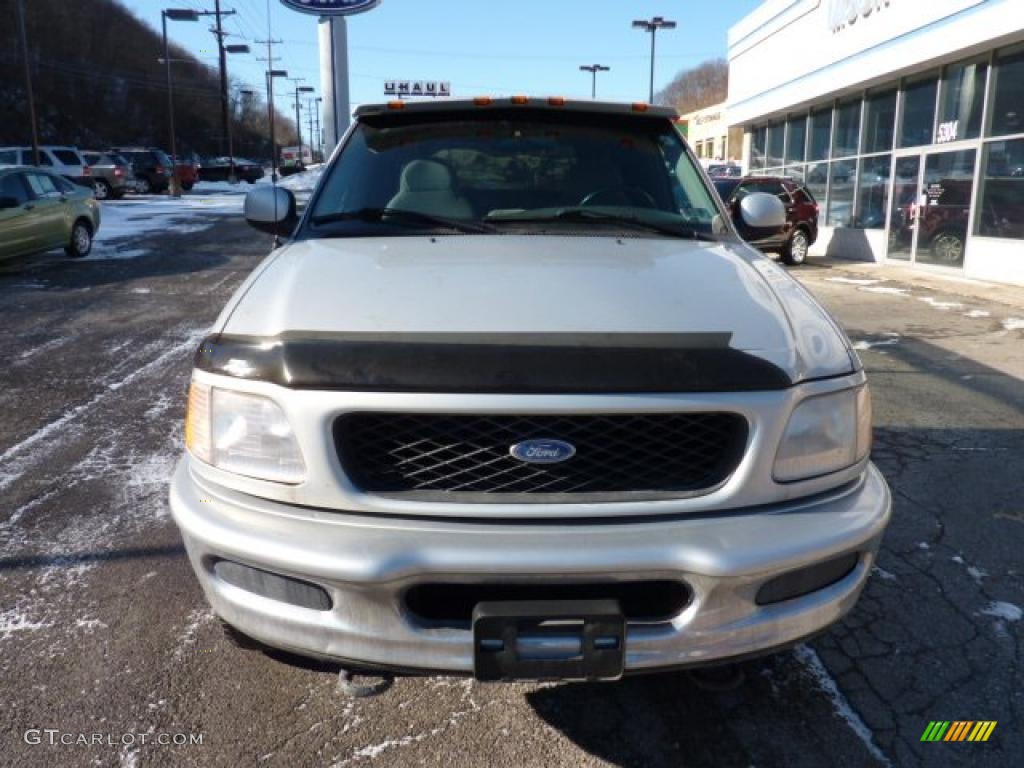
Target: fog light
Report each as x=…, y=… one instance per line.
x=806, y=580
x=273, y=586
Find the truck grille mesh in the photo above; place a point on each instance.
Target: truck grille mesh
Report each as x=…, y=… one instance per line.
x=651, y=453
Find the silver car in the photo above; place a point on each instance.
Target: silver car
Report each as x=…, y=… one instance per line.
x=514, y=400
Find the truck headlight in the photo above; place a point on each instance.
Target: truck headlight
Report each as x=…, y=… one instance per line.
x=825, y=434
x=242, y=433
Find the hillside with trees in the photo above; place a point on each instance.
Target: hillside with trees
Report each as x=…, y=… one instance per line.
x=98, y=82
x=697, y=88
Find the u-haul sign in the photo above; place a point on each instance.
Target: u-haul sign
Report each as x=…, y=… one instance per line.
x=413, y=89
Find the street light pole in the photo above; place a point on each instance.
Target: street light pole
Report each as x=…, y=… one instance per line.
x=30, y=97
x=298, y=108
x=174, y=14
x=593, y=69
x=652, y=26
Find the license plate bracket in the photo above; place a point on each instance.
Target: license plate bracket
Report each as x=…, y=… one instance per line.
x=549, y=640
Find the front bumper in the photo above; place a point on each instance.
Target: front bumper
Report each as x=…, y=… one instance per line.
x=367, y=563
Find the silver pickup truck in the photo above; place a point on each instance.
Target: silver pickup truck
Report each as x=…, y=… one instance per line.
x=512, y=399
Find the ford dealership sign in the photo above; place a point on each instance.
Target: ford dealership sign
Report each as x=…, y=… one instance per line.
x=331, y=7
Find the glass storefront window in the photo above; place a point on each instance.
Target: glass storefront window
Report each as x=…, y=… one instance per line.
x=847, y=130
x=1001, y=211
x=821, y=134
x=873, y=194
x=817, y=181
x=843, y=175
x=1008, y=95
x=795, y=172
x=758, y=145
x=880, y=122
x=918, y=113
x=963, y=97
x=776, y=144
x=796, y=139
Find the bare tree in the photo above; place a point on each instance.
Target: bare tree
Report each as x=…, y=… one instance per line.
x=693, y=89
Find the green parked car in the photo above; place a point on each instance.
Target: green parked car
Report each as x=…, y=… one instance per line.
x=40, y=211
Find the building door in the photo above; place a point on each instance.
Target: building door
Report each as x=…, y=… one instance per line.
x=931, y=206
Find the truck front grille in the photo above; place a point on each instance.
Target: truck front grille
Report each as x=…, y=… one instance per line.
x=458, y=455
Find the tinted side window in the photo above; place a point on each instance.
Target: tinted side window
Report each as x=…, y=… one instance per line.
x=42, y=184
x=44, y=157
x=12, y=185
x=91, y=158
x=67, y=157
x=64, y=185
x=9, y=157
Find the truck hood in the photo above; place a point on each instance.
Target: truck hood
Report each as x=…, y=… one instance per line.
x=540, y=286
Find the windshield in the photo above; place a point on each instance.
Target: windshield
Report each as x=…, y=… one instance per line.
x=506, y=172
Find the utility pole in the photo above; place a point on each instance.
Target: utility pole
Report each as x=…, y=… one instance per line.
x=271, y=74
x=28, y=83
x=225, y=117
x=319, y=133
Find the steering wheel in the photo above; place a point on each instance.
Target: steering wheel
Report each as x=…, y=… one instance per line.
x=636, y=196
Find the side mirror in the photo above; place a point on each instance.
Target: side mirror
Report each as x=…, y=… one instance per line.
x=6, y=203
x=271, y=210
x=762, y=211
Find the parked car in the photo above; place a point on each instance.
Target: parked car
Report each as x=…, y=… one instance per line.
x=188, y=172
x=111, y=174
x=791, y=241
x=66, y=161
x=295, y=159
x=940, y=219
x=151, y=168
x=41, y=210
x=219, y=169
x=514, y=399
x=725, y=171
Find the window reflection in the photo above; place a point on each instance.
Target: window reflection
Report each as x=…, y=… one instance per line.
x=873, y=197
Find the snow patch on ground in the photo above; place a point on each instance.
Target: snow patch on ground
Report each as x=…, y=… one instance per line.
x=819, y=673
x=1014, y=324
x=864, y=345
x=884, y=574
x=943, y=305
x=885, y=289
x=16, y=620
x=1005, y=611
x=851, y=281
x=196, y=619
x=976, y=313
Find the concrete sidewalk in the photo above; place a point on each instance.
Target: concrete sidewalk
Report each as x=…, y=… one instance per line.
x=921, y=278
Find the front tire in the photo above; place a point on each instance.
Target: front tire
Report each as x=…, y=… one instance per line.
x=187, y=186
x=81, y=240
x=102, y=190
x=948, y=249
x=795, y=252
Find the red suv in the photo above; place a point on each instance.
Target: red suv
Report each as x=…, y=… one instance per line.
x=795, y=239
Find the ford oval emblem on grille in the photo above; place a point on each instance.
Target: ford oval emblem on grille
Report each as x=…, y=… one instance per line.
x=543, y=451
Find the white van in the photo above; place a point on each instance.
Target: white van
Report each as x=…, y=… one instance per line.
x=67, y=161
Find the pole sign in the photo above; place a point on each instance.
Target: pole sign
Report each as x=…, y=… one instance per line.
x=413, y=89
x=331, y=7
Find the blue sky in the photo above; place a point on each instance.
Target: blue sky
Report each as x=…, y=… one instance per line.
x=480, y=46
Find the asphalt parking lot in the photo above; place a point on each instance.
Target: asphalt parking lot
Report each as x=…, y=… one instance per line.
x=103, y=628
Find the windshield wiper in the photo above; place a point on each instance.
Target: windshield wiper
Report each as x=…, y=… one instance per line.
x=407, y=216
x=590, y=214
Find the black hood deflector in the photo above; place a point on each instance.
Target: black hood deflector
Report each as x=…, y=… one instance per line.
x=494, y=363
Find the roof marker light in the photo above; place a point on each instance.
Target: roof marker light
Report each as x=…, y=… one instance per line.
x=483, y=101
x=396, y=105
x=520, y=100
x=641, y=106
x=556, y=101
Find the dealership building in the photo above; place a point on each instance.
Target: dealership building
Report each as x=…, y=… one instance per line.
x=905, y=119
